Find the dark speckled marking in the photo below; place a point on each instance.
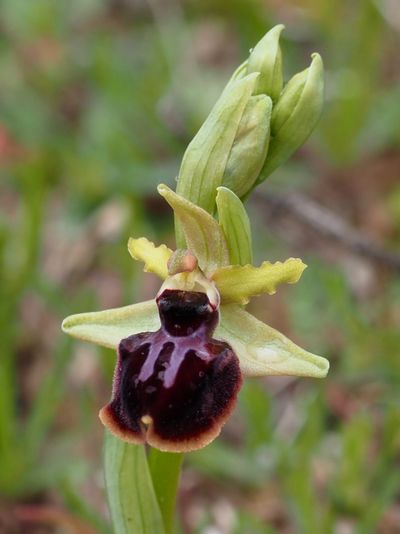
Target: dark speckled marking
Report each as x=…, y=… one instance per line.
x=183, y=379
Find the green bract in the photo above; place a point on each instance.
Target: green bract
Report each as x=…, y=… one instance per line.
x=250, y=146
x=295, y=115
x=205, y=160
x=236, y=226
x=266, y=58
x=260, y=349
x=203, y=235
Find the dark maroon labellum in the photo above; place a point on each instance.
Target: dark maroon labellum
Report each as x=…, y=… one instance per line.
x=176, y=387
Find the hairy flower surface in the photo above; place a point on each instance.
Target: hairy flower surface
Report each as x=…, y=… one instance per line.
x=181, y=357
x=175, y=387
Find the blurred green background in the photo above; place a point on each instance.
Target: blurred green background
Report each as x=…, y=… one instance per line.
x=98, y=100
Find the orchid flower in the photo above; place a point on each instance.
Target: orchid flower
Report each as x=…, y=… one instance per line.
x=181, y=356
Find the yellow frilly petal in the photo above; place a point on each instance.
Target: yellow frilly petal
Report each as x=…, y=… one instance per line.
x=155, y=259
x=239, y=283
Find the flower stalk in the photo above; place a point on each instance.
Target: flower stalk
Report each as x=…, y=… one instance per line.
x=165, y=469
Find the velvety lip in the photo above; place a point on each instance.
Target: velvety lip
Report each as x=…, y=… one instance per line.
x=176, y=387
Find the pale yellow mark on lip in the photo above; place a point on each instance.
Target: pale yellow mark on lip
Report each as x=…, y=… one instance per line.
x=146, y=420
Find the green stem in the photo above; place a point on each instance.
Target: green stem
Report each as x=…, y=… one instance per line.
x=132, y=501
x=165, y=470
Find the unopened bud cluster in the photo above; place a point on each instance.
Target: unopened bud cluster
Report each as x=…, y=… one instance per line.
x=255, y=126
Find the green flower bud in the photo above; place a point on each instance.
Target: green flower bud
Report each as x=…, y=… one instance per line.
x=295, y=115
x=266, y=58
x=205, y=159
x=239, y=73
x=250, y=147
x=233, y=147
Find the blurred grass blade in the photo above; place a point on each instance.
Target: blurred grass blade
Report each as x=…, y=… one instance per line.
x=132, y=501
x=204, y=236
x=9, y=445
x=47, y=401
x=79, y=507
x=236, y=226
